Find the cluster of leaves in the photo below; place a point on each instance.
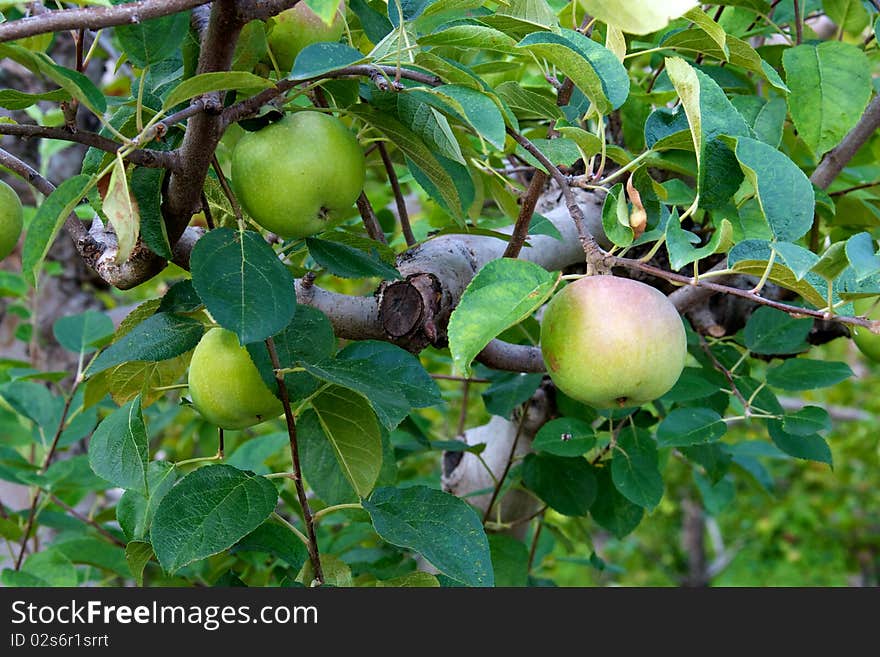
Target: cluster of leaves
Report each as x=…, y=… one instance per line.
x=724, y=171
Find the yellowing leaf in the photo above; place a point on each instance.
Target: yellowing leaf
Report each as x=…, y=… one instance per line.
x=637, y=16
x=122, y=211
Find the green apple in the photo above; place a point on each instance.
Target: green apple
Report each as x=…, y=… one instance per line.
x=10, y=219
x=612, y=342
x=295, y=28
x=225, y=385
x=299, y=176
x=867, y=342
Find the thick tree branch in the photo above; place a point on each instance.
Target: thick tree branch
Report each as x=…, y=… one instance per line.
x=204, y=129
x=93, y=18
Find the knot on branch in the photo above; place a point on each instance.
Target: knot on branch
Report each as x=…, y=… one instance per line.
x=411, y=314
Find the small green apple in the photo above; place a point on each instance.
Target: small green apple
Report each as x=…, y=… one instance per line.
x=295, y=28
x=10, y=219
x=612, y=342
x=867, y=342
x=225, y=385
x=300, y=175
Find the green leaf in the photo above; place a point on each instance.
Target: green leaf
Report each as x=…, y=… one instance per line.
x=476, y=109
x=208, y=511
x=678, y=242
x=93, y=551
x=439, y=526
x=811, y=447
x=274, y=539
x=138, y=554
x=149, y=42
x=830, y=87
x=349, y=424
x=416, y=151
x=74, y=83
x=716, y=495
x=83, y=332
x=309, y=338
x=216, y=81
x=710, y=115
x=467, y=37
x=612, y=510
x=566, y=484
x=808, y=420
x=565, y=436
x=146, y=186
x=684, y=427
x=635, y=468
x=771, y=331
x=528, y=103
x=508, y=390
x=740, y=53
x=765, y=117
x=320, y=466
x=318, y=59
x=860, y=253
x=593, y=68
x=615, y=217
x=851, y=15
x=159, y=337
x=832, y=262
x=798, y=259
x=118, y=450
x=429, y=124
x=510, y=560
x=52, y=567
x=135, y=511
x=503, y=293
x=807, y=374
x=13, y=99
x=637, y=16
x=349, y=262
x=560, y=152
x=715, y=458
x=783, y=191
x=408, y=10
x=244, y=285
x=180, y=298
x=44, y=227
x=752, y=256
x=391, y=378
x=712, y=29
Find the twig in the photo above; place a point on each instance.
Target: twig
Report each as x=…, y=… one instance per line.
x=47, y=461
x=795, y=311
x=533, y=549
x=368, y=215
x=227, y=190
x=463, y=411
x=314, y=554
x=245, y=108
x=144, y=158
x=798, y=26
x=497, y=490
x=727, y=375
x=854, y=188
x=402, y=213
x=72, y=224
x=452, y=377
x=76, y=514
